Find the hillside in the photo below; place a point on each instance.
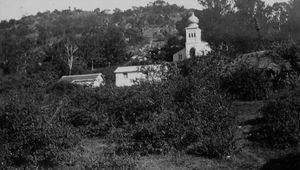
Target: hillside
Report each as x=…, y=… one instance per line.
x=103, y=39
x=236, y=107
x=156, y=31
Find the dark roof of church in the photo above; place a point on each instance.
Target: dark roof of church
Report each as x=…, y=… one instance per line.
x=79, y=77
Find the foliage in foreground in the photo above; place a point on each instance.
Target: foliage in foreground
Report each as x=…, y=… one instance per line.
x=31, y=136
x=282, y=119
x=185, y=112
x=248, y=83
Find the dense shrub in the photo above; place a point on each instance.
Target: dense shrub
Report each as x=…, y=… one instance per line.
x=10, y=82
x=247, y=84
x=18, y=81
x=183, y=112
x=282, y=119
x=60, y=88
x=214, y=146
x=29, y=136
x=84, y=108
x=252, y=83
x=90, y=124
x=288, y=162
x=290, y=51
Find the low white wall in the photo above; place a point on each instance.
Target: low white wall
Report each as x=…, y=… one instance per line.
x=121, y=80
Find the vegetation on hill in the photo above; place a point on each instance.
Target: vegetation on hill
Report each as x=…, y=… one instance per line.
x=43, y=123
x=253, y=76
x=105, y=39
x=184, y=112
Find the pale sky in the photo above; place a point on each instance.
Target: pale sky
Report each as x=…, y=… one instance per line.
x=17, y=8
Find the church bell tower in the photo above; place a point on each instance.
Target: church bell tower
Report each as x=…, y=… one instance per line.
x=194, y=45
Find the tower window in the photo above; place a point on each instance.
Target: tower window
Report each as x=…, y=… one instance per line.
x=180, y=57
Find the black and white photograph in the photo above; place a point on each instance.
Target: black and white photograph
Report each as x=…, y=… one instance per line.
x=150, y=84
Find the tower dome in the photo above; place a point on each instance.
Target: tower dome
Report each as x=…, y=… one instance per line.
x=193, y=19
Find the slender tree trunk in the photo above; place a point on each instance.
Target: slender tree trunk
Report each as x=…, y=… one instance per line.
x=92, y=65
x=70, y=71
x=259, y=35
x=70, y=50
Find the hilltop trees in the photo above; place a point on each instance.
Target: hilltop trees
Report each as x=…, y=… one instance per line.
x=294, y=19
x=253, y=24
x=230, y=26
x=102, y=39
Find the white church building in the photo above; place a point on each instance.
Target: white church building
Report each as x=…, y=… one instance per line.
x=194, y=46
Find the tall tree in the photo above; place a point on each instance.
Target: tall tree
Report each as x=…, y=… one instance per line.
x=220, y=6
x=280, y=14
x=70, y=49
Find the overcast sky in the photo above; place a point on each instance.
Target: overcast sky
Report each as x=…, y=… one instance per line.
x=18, y=8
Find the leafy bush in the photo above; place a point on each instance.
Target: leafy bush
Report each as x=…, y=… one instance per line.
x=85, y=108
x=290, y=51
x=18, y=81
x=220, y=144
x=91, y=124
x=288, y=162
x=247, y=84
x=29, y=137
x=10, y=82
x=244, y=81
x=94, y=154
x=282, y=119
x=60, y=88
x=182, y=112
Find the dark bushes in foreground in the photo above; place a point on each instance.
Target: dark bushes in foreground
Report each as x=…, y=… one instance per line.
x=242, y=82
x=28, y=136
x=247, y=84
x=287, y=162
x=183, y=112
x=281, y=115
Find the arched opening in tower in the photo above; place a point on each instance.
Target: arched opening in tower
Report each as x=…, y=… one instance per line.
x=192, y=52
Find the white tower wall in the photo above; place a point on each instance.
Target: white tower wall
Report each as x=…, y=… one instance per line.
x=193, y=39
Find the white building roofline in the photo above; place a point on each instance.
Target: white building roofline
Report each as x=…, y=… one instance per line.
x=82, y=75
x=130, y=69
